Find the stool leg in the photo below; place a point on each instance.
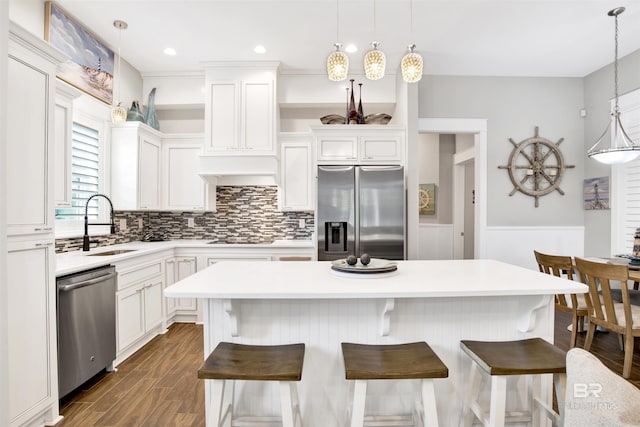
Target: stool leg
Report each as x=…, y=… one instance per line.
x=286, y=403
x=466, y=418
x=560, y=383
x=214, y=409
x=359, y=397
x=297, y=412
x=498, y=401
x=429, y=404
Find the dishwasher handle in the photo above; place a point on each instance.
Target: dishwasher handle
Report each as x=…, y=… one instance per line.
x=67, y=288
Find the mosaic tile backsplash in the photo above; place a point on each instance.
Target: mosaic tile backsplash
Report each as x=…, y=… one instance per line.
x=245, y=214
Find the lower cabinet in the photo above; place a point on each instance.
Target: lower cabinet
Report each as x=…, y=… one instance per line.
x=180, y=309
x=139, y=309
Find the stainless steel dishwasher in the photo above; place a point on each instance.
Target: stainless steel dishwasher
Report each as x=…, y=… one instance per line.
x=86, y=326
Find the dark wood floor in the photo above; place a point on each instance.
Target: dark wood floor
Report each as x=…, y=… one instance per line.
x=158, y=386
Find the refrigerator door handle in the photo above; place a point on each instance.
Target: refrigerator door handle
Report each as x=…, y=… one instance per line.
x=356, y=213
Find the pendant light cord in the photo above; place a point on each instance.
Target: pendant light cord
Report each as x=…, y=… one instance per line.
x=615, y=65
x=119, y=65
x=337, y=21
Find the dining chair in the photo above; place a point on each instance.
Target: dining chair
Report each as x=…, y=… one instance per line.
x=620, y=317
x=558, y=265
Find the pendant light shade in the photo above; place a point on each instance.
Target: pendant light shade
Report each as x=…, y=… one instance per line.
x=118, y=113
x=337, y=65
x=374, y=63
x=622, y=149
x=411, y=66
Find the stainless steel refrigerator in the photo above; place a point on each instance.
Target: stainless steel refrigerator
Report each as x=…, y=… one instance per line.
x=361, y=209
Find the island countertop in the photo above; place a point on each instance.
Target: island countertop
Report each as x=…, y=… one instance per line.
x=413, y=279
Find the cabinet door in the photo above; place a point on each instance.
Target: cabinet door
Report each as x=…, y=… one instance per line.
x=217, y=258
x=337, y=148
x=130, y=314
x=380, y=149
x=29, y=149
x=31, y=288
x=62, y=152
x=149, y=172
x=183, y=188
x=153, y=300
x=295, y=192
x=223, y=116
x=258, y=117
x=178, y=269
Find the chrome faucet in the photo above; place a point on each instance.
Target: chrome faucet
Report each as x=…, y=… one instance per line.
x=85, y=238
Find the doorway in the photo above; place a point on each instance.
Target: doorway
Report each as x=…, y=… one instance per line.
x=464, y=199
x=477, y=128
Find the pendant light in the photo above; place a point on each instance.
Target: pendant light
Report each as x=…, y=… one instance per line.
x=118, y=112
x=411, y=64
x=622, y=148
x=337, y=62
x=375, y=60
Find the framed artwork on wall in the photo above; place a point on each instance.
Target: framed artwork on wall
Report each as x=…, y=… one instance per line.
x=596, y=193
x=91, y=63
x=427, y=199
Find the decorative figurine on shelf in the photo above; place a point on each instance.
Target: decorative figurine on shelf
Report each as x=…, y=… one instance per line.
x=134, y=114
x=150, y=117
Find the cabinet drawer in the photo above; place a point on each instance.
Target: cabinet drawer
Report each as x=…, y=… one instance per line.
x=132, y=276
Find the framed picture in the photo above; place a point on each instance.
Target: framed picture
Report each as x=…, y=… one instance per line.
x=596, y=193
x=427, y=201
x=91, y=63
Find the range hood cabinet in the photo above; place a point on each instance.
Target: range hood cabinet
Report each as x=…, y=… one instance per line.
x=239, y=170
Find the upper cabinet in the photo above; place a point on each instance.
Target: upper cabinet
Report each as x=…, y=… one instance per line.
x=65, y=95
x=135, y=167
x=240, y=108
x=359, y=144
x=182, y=187
x=295, y=192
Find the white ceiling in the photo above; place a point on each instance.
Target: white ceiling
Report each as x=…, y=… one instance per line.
x=456, y=37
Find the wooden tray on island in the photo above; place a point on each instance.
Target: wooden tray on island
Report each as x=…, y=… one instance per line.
x=376, y=266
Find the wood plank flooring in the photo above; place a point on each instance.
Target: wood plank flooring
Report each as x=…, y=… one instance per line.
x=158, y=385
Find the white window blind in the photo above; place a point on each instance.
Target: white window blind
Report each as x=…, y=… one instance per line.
x=85, y=170
x=625, y=206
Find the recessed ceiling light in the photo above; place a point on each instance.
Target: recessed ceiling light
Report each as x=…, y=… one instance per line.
x=351, y=48
x=260, y=49
x=170, y=51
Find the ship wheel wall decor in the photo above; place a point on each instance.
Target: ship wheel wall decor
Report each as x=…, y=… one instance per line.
x=536, y=166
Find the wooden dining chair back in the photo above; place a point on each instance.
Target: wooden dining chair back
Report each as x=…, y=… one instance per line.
x=562, y=266
x=604, y=310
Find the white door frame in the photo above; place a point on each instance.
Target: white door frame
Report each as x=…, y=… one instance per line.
x=477, y=127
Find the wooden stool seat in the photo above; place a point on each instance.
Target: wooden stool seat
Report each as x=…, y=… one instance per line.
x=229, y=361
x=531, y=357
x=391, y=362
x=525, y=357
x=363, y=362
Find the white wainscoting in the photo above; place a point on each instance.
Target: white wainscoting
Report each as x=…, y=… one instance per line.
x=515, y=245
x=436, y=241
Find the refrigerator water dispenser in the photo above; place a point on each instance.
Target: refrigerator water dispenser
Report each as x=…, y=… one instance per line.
x=335, y=236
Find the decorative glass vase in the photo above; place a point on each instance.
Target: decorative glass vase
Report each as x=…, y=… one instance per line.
x=134, y=114
x=151, y=117
x=360, y=113
x=353, y=114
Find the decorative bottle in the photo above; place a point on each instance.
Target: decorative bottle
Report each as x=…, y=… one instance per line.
x=353, y=114
x=346, y=116
x=134, y=114
x=360, y=113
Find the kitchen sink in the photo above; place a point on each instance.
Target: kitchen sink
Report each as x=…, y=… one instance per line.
x=114, y=252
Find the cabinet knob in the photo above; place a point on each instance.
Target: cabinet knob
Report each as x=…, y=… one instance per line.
x=41, y=245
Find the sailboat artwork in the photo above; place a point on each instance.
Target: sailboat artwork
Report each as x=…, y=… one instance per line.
x=91, y=64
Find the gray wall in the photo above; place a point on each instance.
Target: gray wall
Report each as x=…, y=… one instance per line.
x=598, y=91
x=513, y=106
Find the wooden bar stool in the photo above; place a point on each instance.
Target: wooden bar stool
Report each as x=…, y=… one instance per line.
x=228, y=361
x=533, y=356
x=364, y=362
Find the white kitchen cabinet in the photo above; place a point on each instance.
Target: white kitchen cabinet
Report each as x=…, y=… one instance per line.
x=31, y=288
x=182, y=309
x=135, y=167
x=212, y=259
x=65, y=95
x=241, y=109
x=295, y=192
x=182, y=187
x=359, y=144
x=139, y=311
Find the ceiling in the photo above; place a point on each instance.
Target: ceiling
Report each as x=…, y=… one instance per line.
x=569, y=38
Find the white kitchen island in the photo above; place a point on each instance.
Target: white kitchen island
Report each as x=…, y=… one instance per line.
x=441, y=302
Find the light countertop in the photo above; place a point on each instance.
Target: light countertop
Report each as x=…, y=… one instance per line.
x=413, y=279
x=71, y=262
